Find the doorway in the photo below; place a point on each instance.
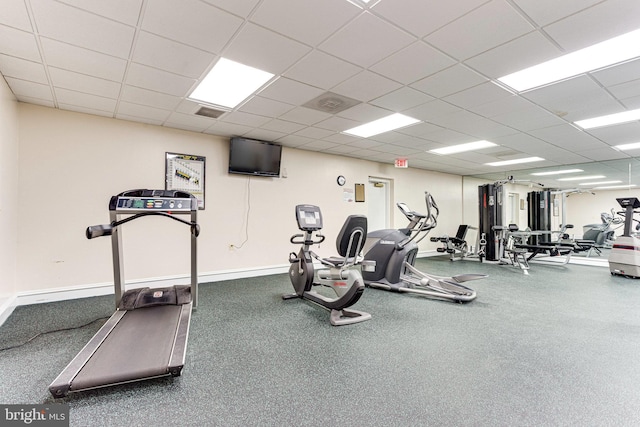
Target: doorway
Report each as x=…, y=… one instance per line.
x=379, y=214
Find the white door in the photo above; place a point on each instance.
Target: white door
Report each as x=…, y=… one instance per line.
x=378, y=197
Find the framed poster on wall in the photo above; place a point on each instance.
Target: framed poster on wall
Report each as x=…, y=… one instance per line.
x=185, y=172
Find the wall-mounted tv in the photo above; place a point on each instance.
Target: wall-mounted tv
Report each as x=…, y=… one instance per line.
x=253, y=157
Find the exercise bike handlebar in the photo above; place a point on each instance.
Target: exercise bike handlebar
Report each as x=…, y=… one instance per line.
x=302, y=239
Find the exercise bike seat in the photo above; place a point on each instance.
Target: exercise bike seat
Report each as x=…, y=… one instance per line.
x=350, y=239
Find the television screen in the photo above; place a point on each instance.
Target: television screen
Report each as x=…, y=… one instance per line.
x=253, y=157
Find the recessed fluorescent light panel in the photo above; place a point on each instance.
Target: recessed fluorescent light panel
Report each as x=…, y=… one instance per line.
x=580, y=178
x=229, y=83
x=624, y=147
x=608, y=120
x=612, y=187
x=604, y=54
x=516, y=161
x=470, y=146
x=600, y=183
x=385, y=124
x=560, y=172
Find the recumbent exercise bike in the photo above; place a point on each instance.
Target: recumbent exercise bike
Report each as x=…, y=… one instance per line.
x=339, y=274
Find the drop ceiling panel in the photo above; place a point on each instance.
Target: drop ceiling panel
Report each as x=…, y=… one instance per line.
x=449, y=81
x=137, y=110
x=240, y=8
x=515, y=55
x=364, y=113
x=158, y=80
x=544, y=12
x=70, y=97
x=282, y=126
x=623, y=73
x=431, y=110
x=621, y=134
x=321, y=70
x=366, y=86
x=170, y=56
x=528, y=119
x=305, y=116
x=482, y=94
x=194, y=23
x=290, y=91
x=83, y=83
x=23, y=69
x=246, y=119
x=265, y=107
x=366, y=40
x=426, y=16
x=125, y=11
x=413, y=63
x=67, y=57
x=142, y=96
x=314, y=133
x=308, y=21
x=18, y=43
x=603, y=154
x=23, y=88
x=264, y=49
x=401, y=99
x=568, y=137
x=14, y=14
x=484, y=28
x=88, y=30
x=594, y=24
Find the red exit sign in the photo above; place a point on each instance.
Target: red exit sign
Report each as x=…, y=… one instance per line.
x=402, y=163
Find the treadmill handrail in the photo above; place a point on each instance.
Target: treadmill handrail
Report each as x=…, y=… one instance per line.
x=94, y=231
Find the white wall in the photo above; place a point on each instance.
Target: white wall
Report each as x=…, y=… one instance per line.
x=71, y=163
x=8, y=191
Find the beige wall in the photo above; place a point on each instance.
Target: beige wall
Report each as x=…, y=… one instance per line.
x=8, y=190
x=71, y=163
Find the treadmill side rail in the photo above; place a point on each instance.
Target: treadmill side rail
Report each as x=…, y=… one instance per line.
x=179, y=350
x=61, y=385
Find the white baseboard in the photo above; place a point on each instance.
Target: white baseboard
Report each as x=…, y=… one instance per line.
x=99, y=289
x=6, y=308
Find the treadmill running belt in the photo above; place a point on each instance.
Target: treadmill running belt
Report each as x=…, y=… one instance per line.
x=138, y=347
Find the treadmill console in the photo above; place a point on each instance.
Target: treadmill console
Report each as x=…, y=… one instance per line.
x=309, y=217
x=163, y=204
x=629, y=201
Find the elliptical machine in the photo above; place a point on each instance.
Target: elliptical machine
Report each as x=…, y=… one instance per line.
x=339, y=275
x=389, y=258
x=624, y=259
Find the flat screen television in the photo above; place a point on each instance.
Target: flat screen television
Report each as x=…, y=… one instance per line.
x=253, y=157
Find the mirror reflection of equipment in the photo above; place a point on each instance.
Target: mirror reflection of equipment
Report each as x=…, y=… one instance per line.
x=624, y=259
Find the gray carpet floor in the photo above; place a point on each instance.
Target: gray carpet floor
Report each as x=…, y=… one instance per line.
x=559, y=347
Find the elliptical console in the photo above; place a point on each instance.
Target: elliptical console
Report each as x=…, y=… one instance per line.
x=345, y=281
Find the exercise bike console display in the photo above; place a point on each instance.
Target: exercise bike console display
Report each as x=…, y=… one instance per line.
x=309, y=217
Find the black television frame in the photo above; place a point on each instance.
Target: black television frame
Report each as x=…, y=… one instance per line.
x=258, y=148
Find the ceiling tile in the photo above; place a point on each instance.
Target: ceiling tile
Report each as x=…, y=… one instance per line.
x=401, y=99
x=14, y=14
x=308, y=21
x=432, y=110
x=413, y=63
x=290, y=91
x=70, y=97
x=603, y=154
x=194, y=23
x=618, y=74
x=337, y=124
x=83, y=83
x=23, y=88
x=318, y=145
x=283, y=126
x=265, y=107
x=125, y=11
x=170, y=56
x=515, y=55
x=144, y=111
x=158, y=80
x=67, y=57
x=142, y=96
x=246, y=119
x=529, y=118
x=619, y=134
x=544, y=12
x=482, y=94
x=484, y=28
x=366, y=86
x=568, y=137
x=315, y=133
x=240, y=8
x=23, y=69
x=305, y=116
x=321, y=70
x=573, y=99
x=88, y=30
x=189, y=122
x=18, y=43
x=227, y=129
x=364, y=113
x=451, y=80
x=593, y=25
x=264, y=49
x=366, y=40
x=426, y=16
x=263, y=134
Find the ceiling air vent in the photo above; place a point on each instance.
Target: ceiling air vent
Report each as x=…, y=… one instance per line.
x=210, y=112
x=331, y=103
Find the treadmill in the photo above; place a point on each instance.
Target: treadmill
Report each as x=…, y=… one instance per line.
x=147, y=335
